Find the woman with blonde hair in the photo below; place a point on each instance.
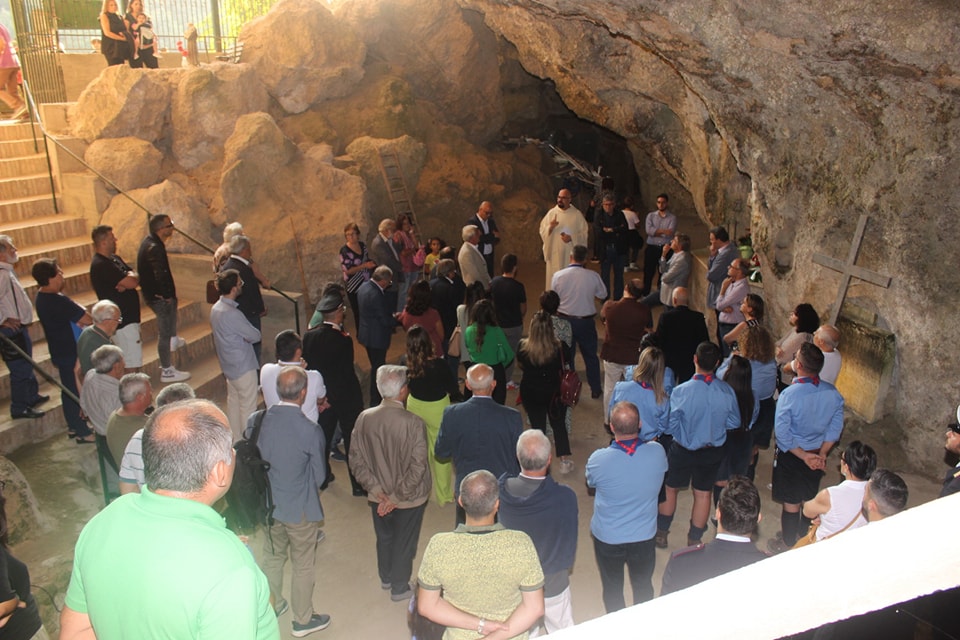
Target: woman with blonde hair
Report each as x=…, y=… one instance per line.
x=432, y=386
x=540, y=360
x=114, y=41
x=647, y=392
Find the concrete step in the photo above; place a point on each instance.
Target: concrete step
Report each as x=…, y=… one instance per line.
x=25, y=208
x=19, y=131
x=206, y=379
x=22, y=186
x=68, y=251
x=46, y=229
x=189, y=319
x=20, y=147
x=32, y=164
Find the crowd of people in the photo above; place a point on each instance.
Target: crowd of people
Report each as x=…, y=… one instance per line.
x=682, y=410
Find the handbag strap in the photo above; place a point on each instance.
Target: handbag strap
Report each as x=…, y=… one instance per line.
x=849, y=524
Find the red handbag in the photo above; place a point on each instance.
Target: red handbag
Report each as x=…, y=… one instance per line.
x=570, y=384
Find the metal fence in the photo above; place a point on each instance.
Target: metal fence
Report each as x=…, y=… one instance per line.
x=45, y=28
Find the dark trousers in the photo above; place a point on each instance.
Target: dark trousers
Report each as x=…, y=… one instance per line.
x=610, y=259
x=355, y=308
x=585, y=335
x=488, y=258
x=651, y=262
x=378, y=358
x=23, y=383
x=397, y=536
x=71, y=410
x=723, y=328
x=538, y=411
x=640, y=558
x=328, y=423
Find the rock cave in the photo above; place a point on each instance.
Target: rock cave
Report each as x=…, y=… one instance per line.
x=791, y=122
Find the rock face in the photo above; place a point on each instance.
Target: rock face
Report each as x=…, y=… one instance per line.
x=791, y=121
x=302, y=54
x=130, y=163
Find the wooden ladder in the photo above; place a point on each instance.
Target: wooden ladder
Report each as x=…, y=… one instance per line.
x=396, y=185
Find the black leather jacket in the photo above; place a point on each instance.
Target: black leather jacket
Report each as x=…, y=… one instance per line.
x=156, y=280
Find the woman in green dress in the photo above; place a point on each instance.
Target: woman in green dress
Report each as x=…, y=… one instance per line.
x=432, y=386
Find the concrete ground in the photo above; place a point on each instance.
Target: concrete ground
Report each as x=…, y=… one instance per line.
x=348, y=588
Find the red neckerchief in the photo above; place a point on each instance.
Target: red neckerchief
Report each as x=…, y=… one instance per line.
x=815, y=380
x=645, y=385
x=628, y=446
x=708, y=377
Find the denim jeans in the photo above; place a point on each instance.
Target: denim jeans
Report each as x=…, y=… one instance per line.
x=166, y=311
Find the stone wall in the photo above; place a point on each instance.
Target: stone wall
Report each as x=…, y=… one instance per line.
x=793, y=119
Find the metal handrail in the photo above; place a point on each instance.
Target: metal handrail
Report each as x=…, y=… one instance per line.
x=38, y=368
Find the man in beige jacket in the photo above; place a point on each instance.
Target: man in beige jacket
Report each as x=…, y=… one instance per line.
x=388, y=456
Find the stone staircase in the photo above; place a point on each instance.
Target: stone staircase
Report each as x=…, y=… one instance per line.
x=27, y=215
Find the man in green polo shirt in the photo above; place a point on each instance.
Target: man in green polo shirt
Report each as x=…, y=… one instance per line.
x=161, y=563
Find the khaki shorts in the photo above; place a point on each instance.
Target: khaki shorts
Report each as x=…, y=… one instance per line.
x=128, y=339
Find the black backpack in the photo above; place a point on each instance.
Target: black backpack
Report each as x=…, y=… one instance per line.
x=250, y=499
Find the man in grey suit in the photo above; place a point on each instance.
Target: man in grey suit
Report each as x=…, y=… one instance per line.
x=479, y=433
x=375, y=303
x=294, y=447
x=382, y=249
x=473, y=266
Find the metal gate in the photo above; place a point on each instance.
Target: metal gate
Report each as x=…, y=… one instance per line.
x=38, y=49
x=46, y=28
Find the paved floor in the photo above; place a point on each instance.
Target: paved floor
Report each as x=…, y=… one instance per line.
x=347, y=583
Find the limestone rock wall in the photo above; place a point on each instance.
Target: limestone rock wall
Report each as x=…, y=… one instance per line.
x=792, y=119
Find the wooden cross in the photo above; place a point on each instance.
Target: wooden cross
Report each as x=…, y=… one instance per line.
x=849, y=270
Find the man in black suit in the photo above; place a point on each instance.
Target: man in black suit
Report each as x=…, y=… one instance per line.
x=376, y=303
x=681, y=329
x=250, y=299
x=382, y=249
x=738, y=513
x=446, y=292
x=479, y=433
x=327, y=348
x=489, y=234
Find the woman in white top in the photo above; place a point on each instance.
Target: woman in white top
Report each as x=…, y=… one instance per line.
x=838, y=508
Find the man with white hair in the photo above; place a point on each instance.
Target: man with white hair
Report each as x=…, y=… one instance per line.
x=210, y=584
x=827, y=338
x=294, y=447
x=473, y=266
x=388, y=456
x=376, y=302
x=136, y=395
x=382, y=249
x=100, y=394
x=249, y=299
x=16, y=313
x=479, y=433
x=534, y=503
x=106, y=318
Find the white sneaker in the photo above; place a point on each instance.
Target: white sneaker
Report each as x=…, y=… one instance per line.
x=171, y=374
x=176, y=342
x=566, y=466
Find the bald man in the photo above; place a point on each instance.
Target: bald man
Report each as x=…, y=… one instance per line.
x=489, y=233
x=560, y=230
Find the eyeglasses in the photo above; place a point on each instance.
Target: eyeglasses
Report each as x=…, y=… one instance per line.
x=117, y=319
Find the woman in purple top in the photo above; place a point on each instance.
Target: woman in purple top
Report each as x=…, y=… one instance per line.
x=356, y=266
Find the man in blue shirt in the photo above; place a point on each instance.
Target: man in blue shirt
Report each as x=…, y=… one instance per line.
x=702, y=410
x=808, y=423
x=626, y=476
